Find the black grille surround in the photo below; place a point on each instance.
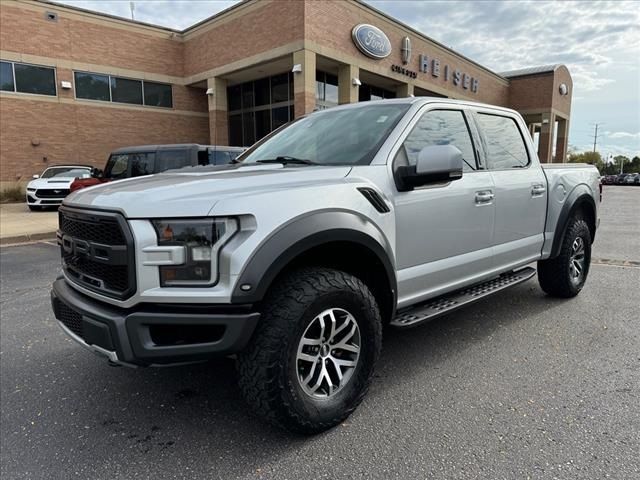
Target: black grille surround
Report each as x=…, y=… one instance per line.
x=52, y=192
x=97, y=250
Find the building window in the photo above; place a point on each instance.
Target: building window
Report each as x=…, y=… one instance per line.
x=25, y=78
x=369, y=92
x=92, y=86
x=257, y=108
x=157, y=94
x=107, y=88
x=326, y=90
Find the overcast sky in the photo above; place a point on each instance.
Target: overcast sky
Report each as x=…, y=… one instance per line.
x=598, y=41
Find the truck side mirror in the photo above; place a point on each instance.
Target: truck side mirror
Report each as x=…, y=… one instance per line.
x=436, y=163
x=35, y=177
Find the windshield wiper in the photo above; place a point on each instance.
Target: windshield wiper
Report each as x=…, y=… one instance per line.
x=285, y=160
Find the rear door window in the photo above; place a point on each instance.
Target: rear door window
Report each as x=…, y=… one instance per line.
x=504, y=144
x=172, y=159
x=142, y=164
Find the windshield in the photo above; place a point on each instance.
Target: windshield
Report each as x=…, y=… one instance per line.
x=350, y=136
x=66, y=172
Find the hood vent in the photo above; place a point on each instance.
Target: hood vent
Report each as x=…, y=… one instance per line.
x=375, y=199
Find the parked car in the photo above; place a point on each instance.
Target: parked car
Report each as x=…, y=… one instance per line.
x=637, y=180
x=632, y=178
x=609, y=180
x=50, y=188
x=389, y=212
x=147, y=159
x=621, y=179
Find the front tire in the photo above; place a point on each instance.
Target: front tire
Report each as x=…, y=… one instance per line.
x=565, y=275
x=311, y=359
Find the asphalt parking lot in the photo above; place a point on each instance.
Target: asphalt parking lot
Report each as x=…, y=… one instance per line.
x=517, y=386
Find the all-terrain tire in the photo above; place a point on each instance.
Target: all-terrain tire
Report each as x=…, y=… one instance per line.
x=268, y=370
x=555, y=275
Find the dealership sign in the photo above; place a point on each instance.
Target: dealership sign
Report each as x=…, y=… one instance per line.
x=371, y=41
x=374, y=43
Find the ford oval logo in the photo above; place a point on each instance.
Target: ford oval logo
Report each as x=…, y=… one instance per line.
x=371, y=41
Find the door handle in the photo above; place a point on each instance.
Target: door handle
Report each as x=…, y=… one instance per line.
x=483, y=198
x=538, y=189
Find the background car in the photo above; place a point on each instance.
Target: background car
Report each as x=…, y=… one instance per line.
x=632, y=178
x=142, y=160
x=50, y=188
x=620, y=179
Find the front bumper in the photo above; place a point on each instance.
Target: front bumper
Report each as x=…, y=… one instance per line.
x=43, y=202
x=152, y=334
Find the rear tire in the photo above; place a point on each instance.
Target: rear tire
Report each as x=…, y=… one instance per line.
x=277, y=370
x=565, y=275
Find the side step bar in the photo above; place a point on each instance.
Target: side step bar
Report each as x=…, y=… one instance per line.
x=439, y=306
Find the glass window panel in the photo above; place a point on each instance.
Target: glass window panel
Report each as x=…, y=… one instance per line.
x=290, y=75
x=141, y=163
x=262, y=91
x=248, y=129
x=331, y=92
x=441, y=127
x=235, y=130
x=247, y=95
x=170, y=159
x=505, y=145
x=34, y=79
x=125, y=90
x=292, y=114
x=234, y=97
x=320, y=91
x=6, y=77
x=263, y=123
x=117, y=166
x=280, y=116
x=280, y=88
x=92, y=86
x=157, y=94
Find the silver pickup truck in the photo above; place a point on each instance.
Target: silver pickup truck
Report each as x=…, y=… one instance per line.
x=374, y=214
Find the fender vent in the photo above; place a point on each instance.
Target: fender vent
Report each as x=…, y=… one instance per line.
x=374, y=199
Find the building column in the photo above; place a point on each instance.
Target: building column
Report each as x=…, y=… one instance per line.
x=545, y=142
x=562, y=142
x=347, y=91
x=304, y=82
x=218, y=118
x=404, y=90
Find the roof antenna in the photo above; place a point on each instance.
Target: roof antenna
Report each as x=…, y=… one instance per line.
x=132, y=6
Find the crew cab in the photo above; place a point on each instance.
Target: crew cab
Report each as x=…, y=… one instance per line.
x=142, y=160
x=382, y=213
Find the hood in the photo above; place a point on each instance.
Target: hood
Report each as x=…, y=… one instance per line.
x=194, y=191
x=51, y=183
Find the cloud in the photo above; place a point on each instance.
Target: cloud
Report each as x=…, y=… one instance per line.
x=623, y=135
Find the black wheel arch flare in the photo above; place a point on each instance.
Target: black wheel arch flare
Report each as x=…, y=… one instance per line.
x=303, y=234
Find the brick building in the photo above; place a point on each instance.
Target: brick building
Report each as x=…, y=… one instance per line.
x=75, y=84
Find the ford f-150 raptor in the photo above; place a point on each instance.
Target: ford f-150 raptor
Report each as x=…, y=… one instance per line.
x=383, y=213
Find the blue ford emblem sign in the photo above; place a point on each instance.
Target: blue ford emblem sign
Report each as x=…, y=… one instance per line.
x=371, y=41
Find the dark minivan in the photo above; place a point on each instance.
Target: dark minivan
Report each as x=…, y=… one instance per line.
x=148, y=159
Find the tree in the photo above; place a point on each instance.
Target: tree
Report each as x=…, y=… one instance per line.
x=592, y=158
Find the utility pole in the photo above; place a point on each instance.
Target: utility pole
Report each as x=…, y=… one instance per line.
x=132, y=7
x=595, y=138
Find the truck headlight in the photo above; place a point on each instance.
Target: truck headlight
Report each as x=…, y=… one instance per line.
x=202, y=239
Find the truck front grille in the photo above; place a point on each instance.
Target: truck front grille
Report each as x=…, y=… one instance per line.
x=97, y=251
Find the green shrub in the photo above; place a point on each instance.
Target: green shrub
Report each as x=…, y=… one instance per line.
x=14, y=193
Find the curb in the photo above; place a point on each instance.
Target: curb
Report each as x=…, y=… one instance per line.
x=27, y=237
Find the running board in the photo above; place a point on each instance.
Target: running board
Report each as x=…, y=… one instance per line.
x=425, y=312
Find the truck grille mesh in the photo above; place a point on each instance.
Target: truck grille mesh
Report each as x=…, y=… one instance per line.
x=110, y=277
x=70, y=319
